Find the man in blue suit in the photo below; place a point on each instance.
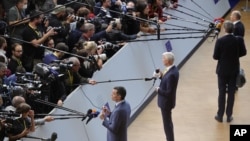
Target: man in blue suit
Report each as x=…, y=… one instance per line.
x=228, y=49
x=167, y=93
x=117, y=121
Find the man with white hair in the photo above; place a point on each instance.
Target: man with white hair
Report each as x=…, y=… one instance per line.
x=167, y=93
x=239, y=29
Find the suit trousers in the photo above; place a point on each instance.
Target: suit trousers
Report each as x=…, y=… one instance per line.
x=168, y=123
x=226, y=84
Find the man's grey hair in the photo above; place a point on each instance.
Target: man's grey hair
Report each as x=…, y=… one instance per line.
x=87, y=27
x=169, y=56
x=74, y=60
x=228, y=26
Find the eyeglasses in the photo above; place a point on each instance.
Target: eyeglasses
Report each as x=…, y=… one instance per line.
x=18, y=51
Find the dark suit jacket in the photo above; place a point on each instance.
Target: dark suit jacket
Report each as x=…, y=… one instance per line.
x=167, y=89
x=227, y=51
x=118, y=122
x=239, y=29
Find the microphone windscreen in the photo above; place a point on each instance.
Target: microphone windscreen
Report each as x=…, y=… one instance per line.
x=53, y=136
x=89, y=111
x=157, y=70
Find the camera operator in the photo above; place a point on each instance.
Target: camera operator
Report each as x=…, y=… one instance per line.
x=89, y=50
x=23, y=125
x=60, y=19
x=57, y=54
x=72, y=78
x=31, y=52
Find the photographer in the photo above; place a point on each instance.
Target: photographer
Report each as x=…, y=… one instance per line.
x=117, y=35
x=73, y=79
x=60, y=19
x=130, y=25
x=81, y=15
x=89, y=50
x=31, y=52
x=23, y=125
x=89, y=34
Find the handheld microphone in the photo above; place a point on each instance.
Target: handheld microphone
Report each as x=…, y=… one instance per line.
x=157, y=72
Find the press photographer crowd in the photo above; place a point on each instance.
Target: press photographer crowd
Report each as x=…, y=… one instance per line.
x=50, y=47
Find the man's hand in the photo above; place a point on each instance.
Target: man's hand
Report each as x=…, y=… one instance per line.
x=92, y=82
x=48, y=118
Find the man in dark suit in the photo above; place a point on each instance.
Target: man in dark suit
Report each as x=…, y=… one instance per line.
x=227, y=51
x=239, y=29
x=117, y=121
x=167, y=93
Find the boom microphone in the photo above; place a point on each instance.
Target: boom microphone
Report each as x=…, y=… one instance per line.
x=149, y=79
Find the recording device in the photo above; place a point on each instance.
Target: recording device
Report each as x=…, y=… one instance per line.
x=102, y=56
x=77, y=18
x=91, y=113
x=216, y=26
x=108, y=46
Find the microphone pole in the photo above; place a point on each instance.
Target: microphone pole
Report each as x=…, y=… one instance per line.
x=202, y=8
x=120, y=13
x=54, y=49
x=191, y=15
x=194, y=11
x=50, y=10
x=146, y=79
x=59, y=107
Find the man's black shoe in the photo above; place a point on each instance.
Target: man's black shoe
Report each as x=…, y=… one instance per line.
x=219, y=119
x=229, y=119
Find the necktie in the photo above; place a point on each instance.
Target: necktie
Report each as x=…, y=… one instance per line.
x=165, y=71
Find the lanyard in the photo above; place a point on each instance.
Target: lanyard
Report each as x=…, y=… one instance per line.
x=70, y=78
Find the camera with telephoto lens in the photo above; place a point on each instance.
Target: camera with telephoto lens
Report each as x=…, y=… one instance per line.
x=108, y=46
x=77, y=18
x=57, y=29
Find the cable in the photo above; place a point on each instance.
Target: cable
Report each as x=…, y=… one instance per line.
x=195, y=12
x=191, y=15
x=202, y=9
